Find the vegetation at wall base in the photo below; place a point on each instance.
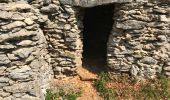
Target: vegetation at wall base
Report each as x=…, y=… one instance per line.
x=100, y=84
x=157, y=89
x=61, y=95
x=123, y=88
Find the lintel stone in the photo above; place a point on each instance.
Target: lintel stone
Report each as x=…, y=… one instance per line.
x=92, y=3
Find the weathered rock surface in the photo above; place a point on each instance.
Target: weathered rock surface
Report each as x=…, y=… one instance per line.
x=22, y=42
x=92, y=3
x=139, y=42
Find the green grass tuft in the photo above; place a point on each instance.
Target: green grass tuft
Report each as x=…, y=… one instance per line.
x=61, y=94
x=100, y=85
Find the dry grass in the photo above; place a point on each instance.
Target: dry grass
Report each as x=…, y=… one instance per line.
x=124, y=89
x=119, y=89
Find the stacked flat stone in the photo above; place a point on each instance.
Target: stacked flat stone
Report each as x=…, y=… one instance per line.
x=24, y=61
x=140, y=40
x=42, y=39
x=62, y=31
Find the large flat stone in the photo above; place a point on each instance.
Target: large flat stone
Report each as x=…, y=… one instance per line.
x=91, y=3
x=19, y=88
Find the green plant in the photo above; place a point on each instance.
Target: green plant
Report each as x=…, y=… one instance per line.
x=61, y=94
x=164, y=82
x=149, y=91
x=101, y=87
x=50, y=95
x=73, y=96
x=156, y=89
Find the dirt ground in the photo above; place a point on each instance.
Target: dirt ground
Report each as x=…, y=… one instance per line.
x=82, y=82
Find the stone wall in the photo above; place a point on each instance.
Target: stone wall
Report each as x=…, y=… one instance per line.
x=41, y=40
x=25, y=72
x=139, y=44
x=62, y=31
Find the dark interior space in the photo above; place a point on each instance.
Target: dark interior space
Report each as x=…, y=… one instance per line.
x=98, y=22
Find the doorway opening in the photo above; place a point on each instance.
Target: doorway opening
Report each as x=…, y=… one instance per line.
x=98, y=22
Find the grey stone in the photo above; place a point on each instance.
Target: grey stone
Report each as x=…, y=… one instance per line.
x=141, y=18
x=5, y=15
x=131, y=24
x=159, y=10
x=149, y=60
x=167, y=68
x=23, y=53
x=4, y=94
x=162, y=37
x=14, y=25
x=4, y=59
x=23, y=69
x=20, y=34
x=9, y=98
x=35, y=64
x=2, y=70
x=21, y=76
x=12, y=57
x=91, y=3
x=141, y=0
x=4, y=80
x=134, y=70
x=52, y=8
x=19, y=88
x=167, y=73
x=28, y=21
x=30, y=58
x=3, y=85
x=47, y=2
x=25, y=43
x=17, y=16
x=7, y=47
x=19, y=6
x=28, y=97
x=67, y=27
x=164, y=18
x=18, y=95
x=59, y=69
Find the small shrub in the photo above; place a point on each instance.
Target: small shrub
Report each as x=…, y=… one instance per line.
x=149, y=91
x=101, y=87
x=156, y=89
x=61, y=94
x=73, y=96
x=50, y=95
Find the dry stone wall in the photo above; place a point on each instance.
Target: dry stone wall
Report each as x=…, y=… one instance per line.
x=25, y=72
x=41, y=40
x=140, y=40
x=62, y=31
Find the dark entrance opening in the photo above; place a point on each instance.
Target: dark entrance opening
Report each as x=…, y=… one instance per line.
x=98, y=22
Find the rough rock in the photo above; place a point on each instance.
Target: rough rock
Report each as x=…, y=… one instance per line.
x=17, y=88
x=91, y=3
x=23, y=53
x=28, y=21
x=25, y=43
x=148, y=60
x=4, y=60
